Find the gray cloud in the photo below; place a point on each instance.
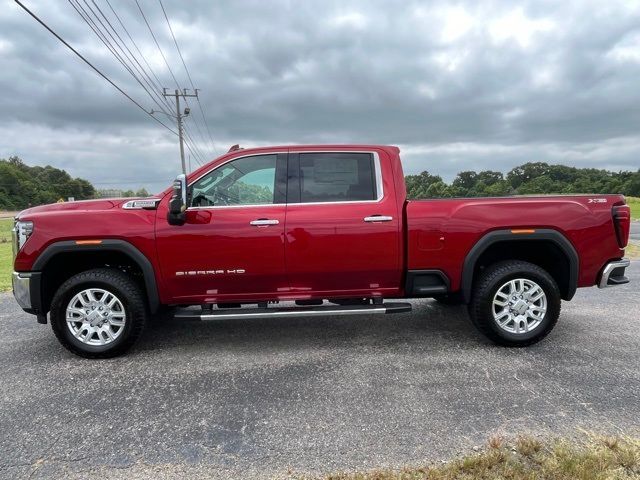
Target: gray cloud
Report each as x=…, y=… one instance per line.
x=464, y=85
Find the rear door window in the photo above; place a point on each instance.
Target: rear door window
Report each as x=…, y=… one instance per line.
x=337, y=177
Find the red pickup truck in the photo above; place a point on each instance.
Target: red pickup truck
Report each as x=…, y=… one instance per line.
x=326, y=229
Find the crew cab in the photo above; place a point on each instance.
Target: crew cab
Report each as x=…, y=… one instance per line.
x=309, y=231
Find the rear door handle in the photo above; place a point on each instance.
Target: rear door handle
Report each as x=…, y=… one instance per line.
x=264, y=222
x=378, y=218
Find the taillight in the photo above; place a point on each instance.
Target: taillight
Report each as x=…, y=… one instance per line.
x=622, y=222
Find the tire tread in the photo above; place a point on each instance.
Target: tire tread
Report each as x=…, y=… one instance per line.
x=481, y=291
x=135, y=300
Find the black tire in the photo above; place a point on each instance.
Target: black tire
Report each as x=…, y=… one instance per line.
x=116, y=282
x=486, y=287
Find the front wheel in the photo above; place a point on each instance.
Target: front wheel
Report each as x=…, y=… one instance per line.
x=515, y=303
x=98, y=313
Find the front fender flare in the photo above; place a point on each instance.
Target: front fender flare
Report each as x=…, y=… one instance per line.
x=106, y=245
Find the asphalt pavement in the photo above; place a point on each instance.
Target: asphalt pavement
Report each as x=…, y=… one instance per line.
x=261, y=398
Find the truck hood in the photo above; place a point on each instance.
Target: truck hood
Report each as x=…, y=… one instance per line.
x=83, y=205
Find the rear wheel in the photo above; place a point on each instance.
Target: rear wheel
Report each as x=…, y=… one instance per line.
x=99, y=313
x=515, y=303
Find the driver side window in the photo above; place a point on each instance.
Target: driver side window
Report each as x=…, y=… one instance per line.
x=245, y=181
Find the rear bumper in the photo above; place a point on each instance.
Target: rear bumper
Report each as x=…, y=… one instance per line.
x=22, y=289
x=613, y=273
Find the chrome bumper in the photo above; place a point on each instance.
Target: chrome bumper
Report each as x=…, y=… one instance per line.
x=22, y=289
x=613, y=273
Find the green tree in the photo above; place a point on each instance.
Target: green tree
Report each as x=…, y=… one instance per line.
x=527, y=172
x=417, y=185
x=22, y=186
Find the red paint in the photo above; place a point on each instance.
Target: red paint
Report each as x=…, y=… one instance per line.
x=322, y=250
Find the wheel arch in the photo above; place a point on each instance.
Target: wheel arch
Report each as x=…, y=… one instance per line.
x=117, y=250
x=509, y=245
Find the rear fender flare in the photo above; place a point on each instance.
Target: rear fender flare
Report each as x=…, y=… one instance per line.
x=496, y=236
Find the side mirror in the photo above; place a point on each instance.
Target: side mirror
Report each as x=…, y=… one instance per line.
x=178, y=202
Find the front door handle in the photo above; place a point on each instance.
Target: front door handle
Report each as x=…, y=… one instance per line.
x=378, y=218
x=264, y=222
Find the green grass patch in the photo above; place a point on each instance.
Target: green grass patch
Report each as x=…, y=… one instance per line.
x=634, y=203
x=526, y=458
x=6, y=255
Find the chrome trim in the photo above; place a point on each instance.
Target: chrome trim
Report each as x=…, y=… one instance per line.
x=22, y=288
x=252, y=205
x=263, y=222
x=376, y=165
x=152, y=204
x=289, y=313
x=610, y=267
x=378, y=218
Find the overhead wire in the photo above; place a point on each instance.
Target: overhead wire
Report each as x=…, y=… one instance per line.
x=93, y=67
x=157, y=82
x=86, y=17
x=184, y=64
x=155, y=87
x=164, y=58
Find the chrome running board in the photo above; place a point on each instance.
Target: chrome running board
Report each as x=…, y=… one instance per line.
x=283, y=312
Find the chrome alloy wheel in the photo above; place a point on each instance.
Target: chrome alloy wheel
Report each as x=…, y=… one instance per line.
x=519, y=306
x=96, y=316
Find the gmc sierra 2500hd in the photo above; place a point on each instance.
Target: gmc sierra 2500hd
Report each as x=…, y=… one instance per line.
x=326, y=227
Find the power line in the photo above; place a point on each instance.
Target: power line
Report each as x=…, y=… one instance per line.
x=157, y=83
x=184, y=64
x=35, y=17
x=86, y=17
x=155, y=88
x=124, y=59
x=164, y=58
x=157, y=44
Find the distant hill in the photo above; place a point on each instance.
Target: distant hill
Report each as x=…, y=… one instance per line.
x=22, y=186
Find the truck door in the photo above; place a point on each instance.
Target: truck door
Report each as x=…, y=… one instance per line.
x=232, y=244
x=343, y=230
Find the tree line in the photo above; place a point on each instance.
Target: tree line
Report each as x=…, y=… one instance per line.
x=528, y=179
x=22, y=186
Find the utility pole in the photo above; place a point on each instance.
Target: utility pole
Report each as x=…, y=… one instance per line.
x=179, y=116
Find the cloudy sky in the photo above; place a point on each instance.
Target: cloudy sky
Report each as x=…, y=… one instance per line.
x=457, y=85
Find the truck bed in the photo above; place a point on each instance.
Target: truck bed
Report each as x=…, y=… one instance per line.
x=440, y=233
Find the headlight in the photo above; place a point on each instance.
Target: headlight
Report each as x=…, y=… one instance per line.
x=21, y=233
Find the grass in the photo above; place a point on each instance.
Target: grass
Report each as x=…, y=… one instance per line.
x=526, y=458
x=6, y=256
x=634, y=203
